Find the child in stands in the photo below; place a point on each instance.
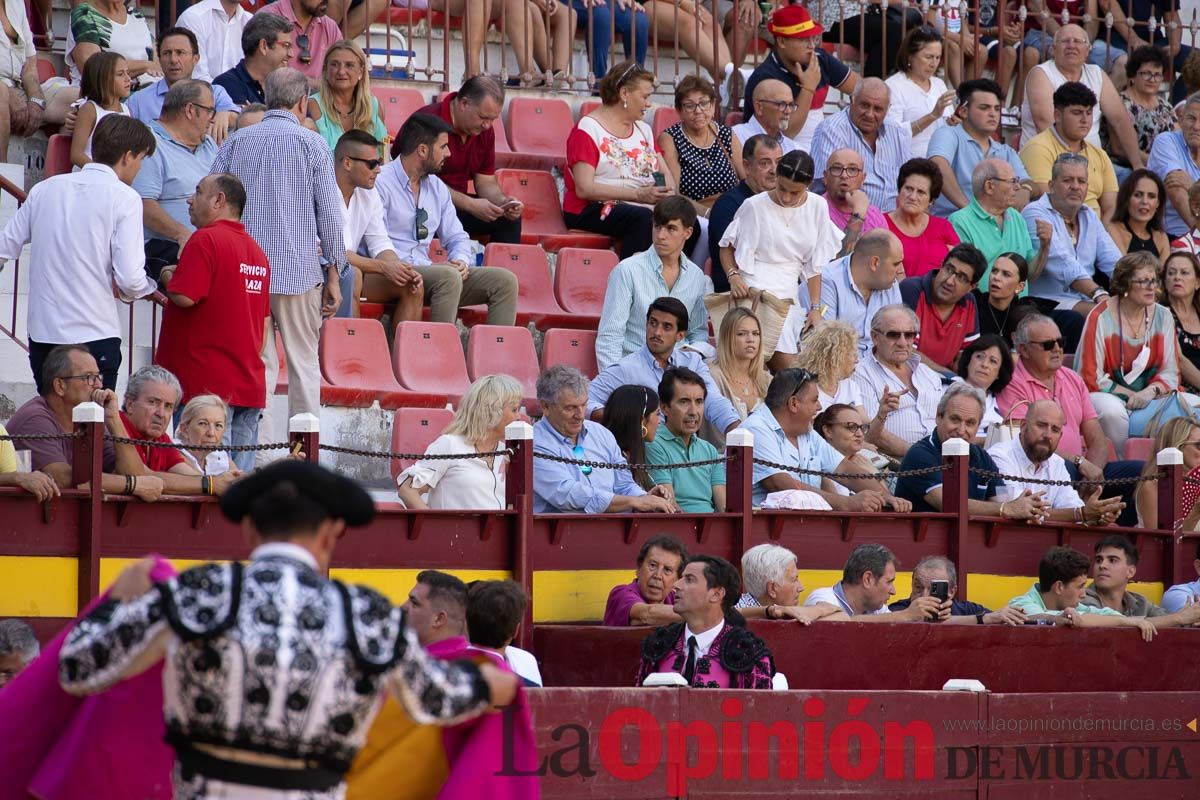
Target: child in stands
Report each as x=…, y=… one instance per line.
x=104, y=85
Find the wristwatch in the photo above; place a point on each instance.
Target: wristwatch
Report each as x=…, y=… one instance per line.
x=979, y=619
x=39, y=102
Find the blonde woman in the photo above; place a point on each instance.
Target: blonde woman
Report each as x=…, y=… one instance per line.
x=203, y=422
x=738, y=368
x=344, y=101
x=488, y=407
x=1182, y=433
x=831, y=354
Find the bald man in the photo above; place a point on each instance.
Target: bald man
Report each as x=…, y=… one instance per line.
x=773, y=106
x=1069, y=63
x=849, y=207
x=883, y=146
x=1032, y=455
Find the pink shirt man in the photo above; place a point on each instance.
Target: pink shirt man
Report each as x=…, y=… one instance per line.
x=321, y=33
x=1070, y=393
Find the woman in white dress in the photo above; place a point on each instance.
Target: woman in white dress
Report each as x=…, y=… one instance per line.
x=780, y=238
x=489, y=406
x=921, y=101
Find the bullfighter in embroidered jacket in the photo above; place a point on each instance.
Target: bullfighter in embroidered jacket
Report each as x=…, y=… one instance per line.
x=706, y=648
x=272, y=671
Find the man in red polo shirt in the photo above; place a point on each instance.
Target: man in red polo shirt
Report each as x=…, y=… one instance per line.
x=945, y=306
x=150, y=399
x=215, y=325
x=472, y=111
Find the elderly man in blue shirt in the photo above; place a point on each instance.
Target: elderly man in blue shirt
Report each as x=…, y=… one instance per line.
x=661, y=271
x=666, y=325
x=1072, y=260
x=417, y=207
x=565, y=432
x=783, y=434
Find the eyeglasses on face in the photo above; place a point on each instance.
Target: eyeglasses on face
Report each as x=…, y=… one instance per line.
x=421, y=218
x=785, y=106
x=692, y=108
x=953, y=274
x=1145, y=283
x=855, y=427
x=577, y=451
x=212, y=111
x=1050, y=344
x=838, y=171
x=94, y=378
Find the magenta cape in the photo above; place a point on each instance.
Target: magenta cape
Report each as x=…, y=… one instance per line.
x=476, y=749
x=105, y=747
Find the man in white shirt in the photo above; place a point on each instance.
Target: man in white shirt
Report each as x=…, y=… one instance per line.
x=380, y=273
x=85, y=235
x=868, y=582
x=218, y=26
x=773, y=107
x=1032, y=455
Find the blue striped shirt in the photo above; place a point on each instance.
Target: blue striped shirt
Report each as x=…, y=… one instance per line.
x=893, y=145
x=632, y=287
x=292, y=199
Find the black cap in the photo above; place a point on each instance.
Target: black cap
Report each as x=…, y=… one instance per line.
x=340, y=497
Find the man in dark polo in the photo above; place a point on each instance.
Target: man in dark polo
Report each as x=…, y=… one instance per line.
x=472, y=111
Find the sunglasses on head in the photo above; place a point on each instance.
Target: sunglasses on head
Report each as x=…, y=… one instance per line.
x=805, y=377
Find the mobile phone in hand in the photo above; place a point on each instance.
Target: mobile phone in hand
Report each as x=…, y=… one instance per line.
x=940, y=590
x=660, y=180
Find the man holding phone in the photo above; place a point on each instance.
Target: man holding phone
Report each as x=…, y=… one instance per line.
x=936, y=576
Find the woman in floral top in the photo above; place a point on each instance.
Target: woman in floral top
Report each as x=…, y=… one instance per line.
x=1152, y=113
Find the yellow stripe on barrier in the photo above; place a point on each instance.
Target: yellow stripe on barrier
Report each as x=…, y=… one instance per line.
x=38, y=586
x=395, y=584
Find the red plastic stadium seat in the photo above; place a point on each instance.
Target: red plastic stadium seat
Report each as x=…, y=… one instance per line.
x=664, y=118
x=397, y=104
x=572, y=348
x=428, y=357
x=437, y=253
x=46, y=69
x=587, y=107
x=538, y=127
x=496, y=349
x=58, y=155
x=581, y=277
x=1139, y=448
x=535, y=298
x=733, y=118
x=401, y=17
x=413, y=430
x=542, y=222
x=355, y=361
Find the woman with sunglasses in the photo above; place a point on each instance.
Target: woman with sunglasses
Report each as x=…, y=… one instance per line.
x=614, y=174
x=845, y=428
x=1151, y=111
x=781, y=238
x=631, y=416
x=344, y=101
x=1181, y=287
x=1128, y=354
x=987, y=364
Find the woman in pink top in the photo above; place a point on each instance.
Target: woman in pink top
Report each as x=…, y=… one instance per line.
x=926, y=238
x=614, y=173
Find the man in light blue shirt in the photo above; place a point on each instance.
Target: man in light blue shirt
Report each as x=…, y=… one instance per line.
x=183, y=157
x=1179, y=595
x=417, y=207
x=884, y=146
x=1068, y=276
x=956, y=149
x=565, y=432
x=178, y=55
x=666, y=323
x=661, y=271
x=1174, y=157
x=783, y=434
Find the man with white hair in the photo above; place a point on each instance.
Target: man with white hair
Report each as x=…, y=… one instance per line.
x=1174, y=157
x=773, y=106
x=862, y=127
x=18, y=648
x=958, y=415
x=771, y=578
x=900, y=393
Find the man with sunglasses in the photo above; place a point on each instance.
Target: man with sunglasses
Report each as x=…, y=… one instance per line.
x=184, y=155
x=945, y=306
x=313, y=33
x=1041, y=374
x=773, y=106
x=1080, y=246
x=70, y=376
x=380, y=275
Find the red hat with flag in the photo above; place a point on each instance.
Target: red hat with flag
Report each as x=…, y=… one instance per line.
x=793, y=22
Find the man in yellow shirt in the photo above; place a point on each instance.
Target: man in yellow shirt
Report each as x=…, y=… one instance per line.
x=1074, y=105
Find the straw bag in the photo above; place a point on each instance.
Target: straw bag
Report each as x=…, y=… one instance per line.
x=770, y=310
x=1006, y=430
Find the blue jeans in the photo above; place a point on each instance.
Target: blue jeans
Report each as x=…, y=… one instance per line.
x=601, y=33
x=242, y=429
x=346, y=283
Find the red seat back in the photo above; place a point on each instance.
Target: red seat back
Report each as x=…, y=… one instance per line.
x=581, y=278
x=571, y=348
x=539, y=193
x=354, y=354
x=413, y=430
x=428, y=357
x=535, y=294
x=664, y=117
x=496, y=349
x=58, y=155
x=539, y=126
x=587, y=107
x=397, y=104
x=1139, y=448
